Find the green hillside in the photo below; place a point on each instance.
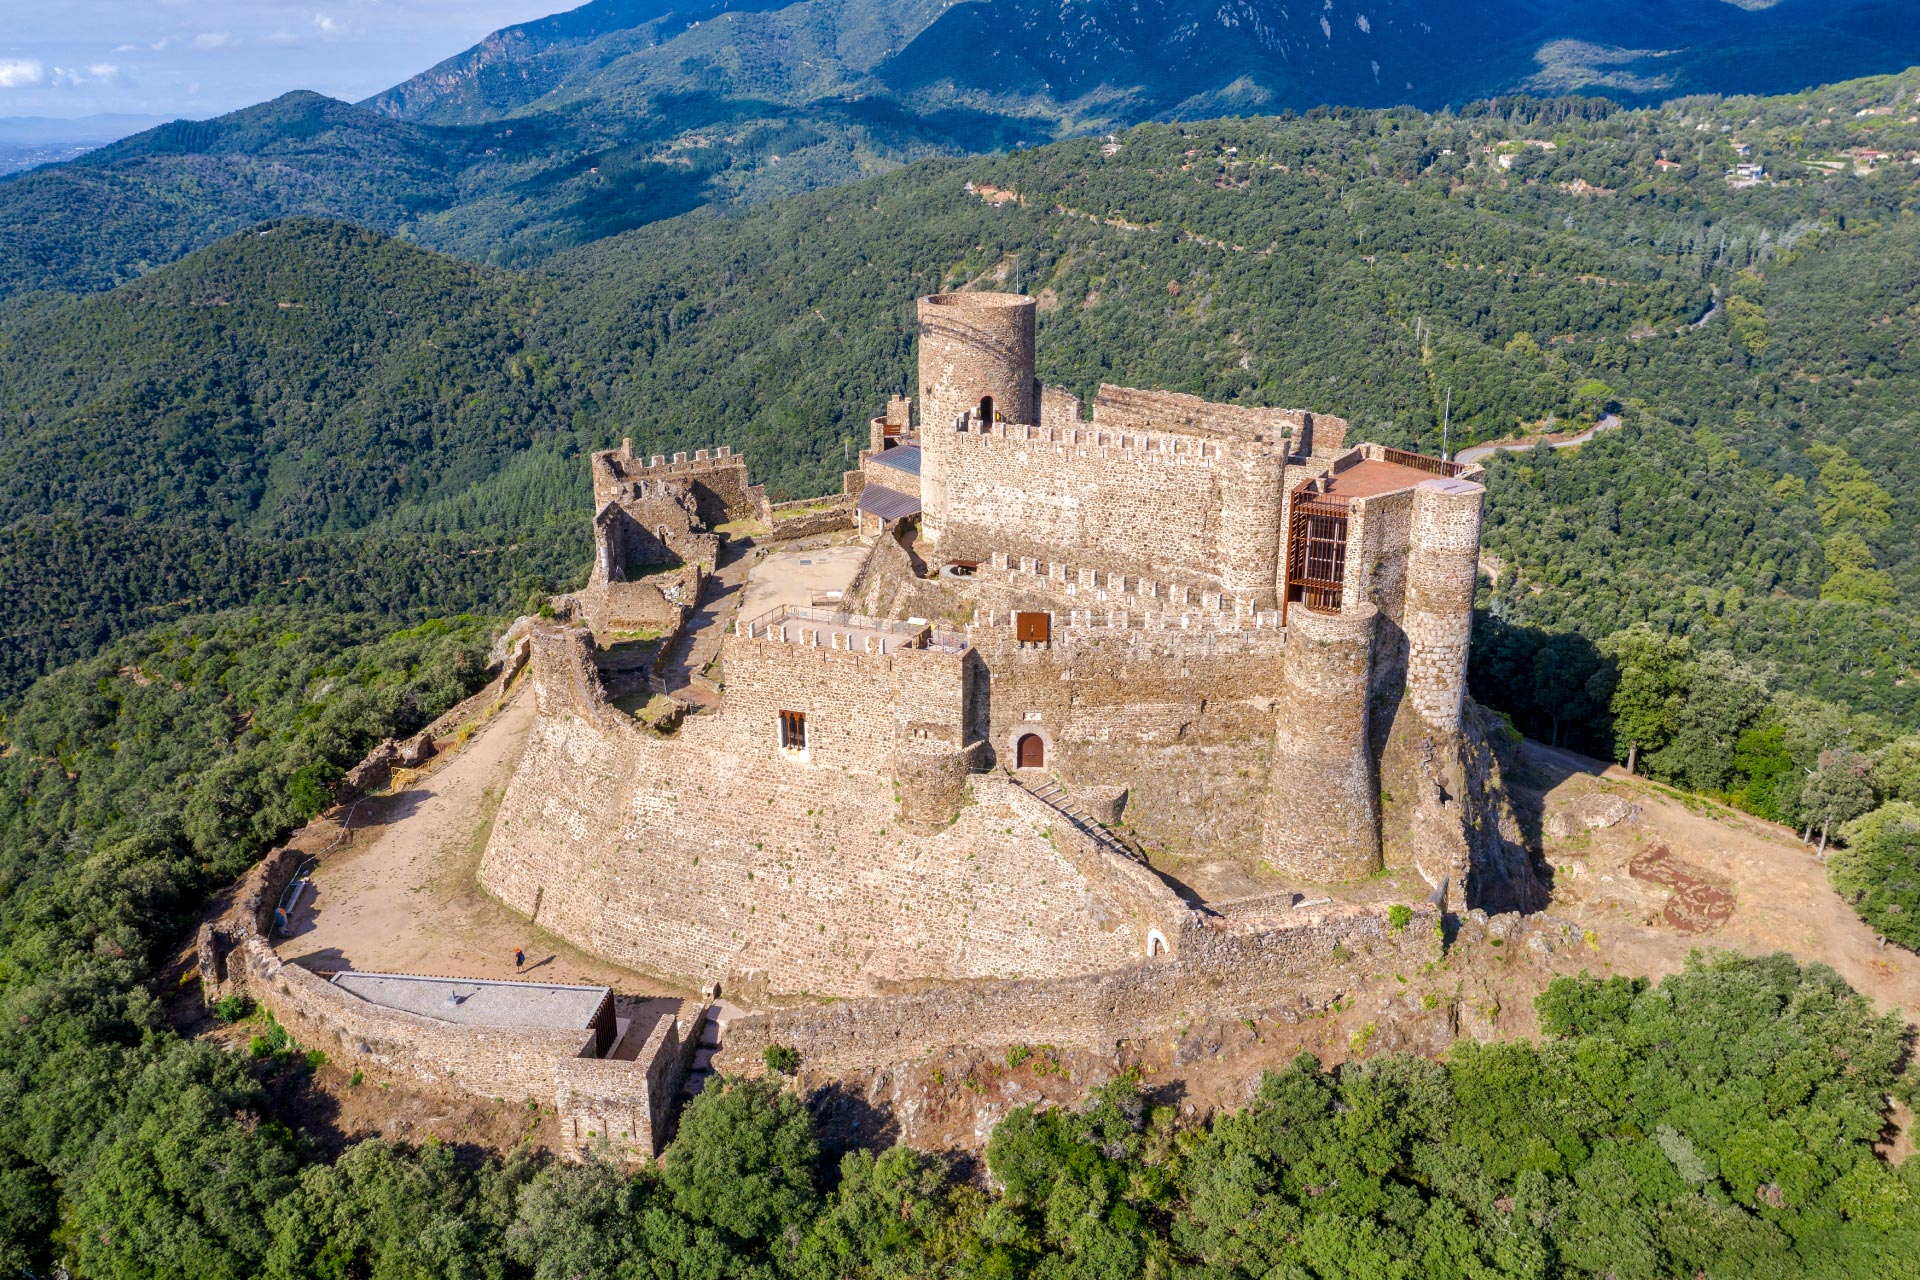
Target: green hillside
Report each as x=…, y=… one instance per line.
x=585, y=124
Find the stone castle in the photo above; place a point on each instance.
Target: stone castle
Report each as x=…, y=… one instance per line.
x=1111, y=723
x=1089, y=671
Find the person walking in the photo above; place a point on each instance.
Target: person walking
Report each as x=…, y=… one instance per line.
x=519, y=959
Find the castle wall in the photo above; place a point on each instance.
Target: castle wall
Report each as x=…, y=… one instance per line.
x=1223, y=968
x=1181, y=719
x=858, y=705
x=687, y=858
x=1159, y=506
x=1132, y=409
x=623, y=1103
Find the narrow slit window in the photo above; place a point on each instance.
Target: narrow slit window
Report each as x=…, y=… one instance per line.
x=793, y=730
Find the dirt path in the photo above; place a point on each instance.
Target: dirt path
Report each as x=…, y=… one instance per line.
x=1480, y=452
x=401, y=894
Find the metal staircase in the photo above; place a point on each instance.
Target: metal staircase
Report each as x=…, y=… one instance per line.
x=1049, y=792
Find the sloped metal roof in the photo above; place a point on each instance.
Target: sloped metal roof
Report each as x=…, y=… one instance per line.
x=888, y=504
x=904, y=457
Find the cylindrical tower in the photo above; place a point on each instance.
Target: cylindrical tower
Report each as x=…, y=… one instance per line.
x=1326, y=806
x=1443, y=558
x=976, y=356
x=1252, y=501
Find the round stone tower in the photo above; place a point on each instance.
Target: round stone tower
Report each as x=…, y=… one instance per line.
x=1326, y=804
x=976, y=356
x=1443, y=559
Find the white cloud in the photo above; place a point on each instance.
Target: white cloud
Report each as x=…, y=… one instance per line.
x=281, y=40
x=330, y=27
x=214, y=40
x=18, y=73
x=125, y=48
x=104, y=72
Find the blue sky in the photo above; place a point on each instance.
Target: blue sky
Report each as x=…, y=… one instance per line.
x=202, y=57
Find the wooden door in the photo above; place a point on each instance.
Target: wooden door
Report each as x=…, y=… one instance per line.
x=1031, y=752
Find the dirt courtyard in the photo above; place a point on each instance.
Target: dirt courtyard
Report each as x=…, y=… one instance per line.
x=796, y=575
x=400, y=895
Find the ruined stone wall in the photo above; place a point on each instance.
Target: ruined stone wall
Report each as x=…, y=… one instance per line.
x=658, y=602
x=808, y=518
x=717, y=478
x=1133, y=409
x=1223, y=968
x=687, y=858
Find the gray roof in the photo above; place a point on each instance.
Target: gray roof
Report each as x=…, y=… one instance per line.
x=904, y=457
x=478, y=1002
x=888, y=504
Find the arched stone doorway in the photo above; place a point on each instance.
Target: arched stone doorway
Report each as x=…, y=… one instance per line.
x=986, y=410
x=1030, y=752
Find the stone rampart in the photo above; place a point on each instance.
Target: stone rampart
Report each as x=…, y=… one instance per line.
x=1222, y=968
x=690, y=858
x=624, y=1103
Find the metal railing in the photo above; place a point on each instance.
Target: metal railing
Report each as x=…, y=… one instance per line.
x=1421, y=462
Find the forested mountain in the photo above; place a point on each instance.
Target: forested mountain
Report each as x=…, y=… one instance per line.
x=623, y=112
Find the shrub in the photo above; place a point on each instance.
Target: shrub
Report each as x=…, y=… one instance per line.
x=1399, y=916
x=232, y=1008
x=781, y=1058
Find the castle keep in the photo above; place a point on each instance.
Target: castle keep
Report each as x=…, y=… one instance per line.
x=1100, y=684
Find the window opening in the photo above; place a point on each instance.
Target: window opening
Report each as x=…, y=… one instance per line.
x=793, y=731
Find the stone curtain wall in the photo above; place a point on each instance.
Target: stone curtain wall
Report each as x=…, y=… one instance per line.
x=1182, y=719
x=1158, y=505
x=1223, y=968
x=620, y=1103
x=859, y=706
x=687, y=858
x=1131, y=409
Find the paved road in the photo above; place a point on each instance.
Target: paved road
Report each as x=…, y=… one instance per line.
x=1480, y=452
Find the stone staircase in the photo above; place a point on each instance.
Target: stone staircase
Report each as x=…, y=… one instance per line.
x=1048, y=791
x=713, y=1029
